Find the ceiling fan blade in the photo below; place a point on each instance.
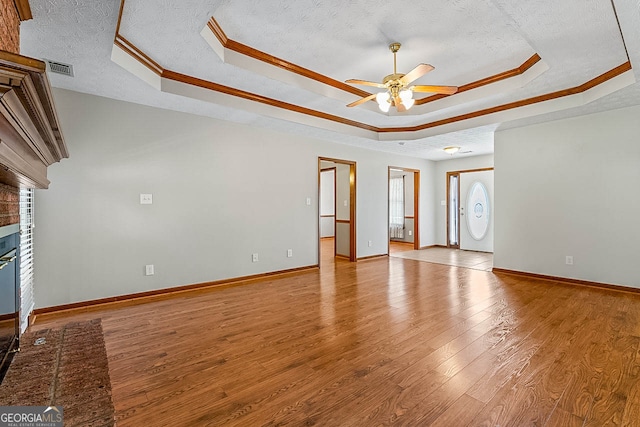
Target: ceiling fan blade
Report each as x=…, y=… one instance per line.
x=399, y=105
x=365, y=83
x=362, y=100
x=446, y=90
x=416, y=73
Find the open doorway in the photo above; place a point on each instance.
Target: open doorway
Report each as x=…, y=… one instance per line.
x=337, y=209
x=469, y=205
x=403, y=212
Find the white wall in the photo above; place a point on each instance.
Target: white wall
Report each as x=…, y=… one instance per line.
x=441, y=169
x=569, y=187
x=216, y=200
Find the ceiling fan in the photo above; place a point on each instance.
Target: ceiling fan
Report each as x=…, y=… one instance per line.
x=397, y=86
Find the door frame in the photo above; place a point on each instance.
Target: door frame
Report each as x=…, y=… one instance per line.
x=352, y=204
x=416, y=205
x=447, y=198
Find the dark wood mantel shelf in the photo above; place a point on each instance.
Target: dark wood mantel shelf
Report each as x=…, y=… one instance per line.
x=30, y=135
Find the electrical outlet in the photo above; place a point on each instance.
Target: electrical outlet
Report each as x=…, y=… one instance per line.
x=146, y=199
x=254, y=257
x=370, y=243
x=149, y=270
x=410, y=232
x=308, y=201
x=569, y=260
x=289, y=253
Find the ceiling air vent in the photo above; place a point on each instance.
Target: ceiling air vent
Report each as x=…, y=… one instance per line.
x=60, y=68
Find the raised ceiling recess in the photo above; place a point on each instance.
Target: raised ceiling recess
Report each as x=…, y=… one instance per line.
x=282, y=65
x=288, y=62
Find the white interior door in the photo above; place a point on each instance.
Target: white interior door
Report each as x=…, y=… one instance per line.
x=476, y=211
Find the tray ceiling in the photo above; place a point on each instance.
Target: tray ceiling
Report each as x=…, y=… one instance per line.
x=515, y=60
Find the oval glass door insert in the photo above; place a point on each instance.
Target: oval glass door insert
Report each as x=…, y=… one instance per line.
x=478, y=211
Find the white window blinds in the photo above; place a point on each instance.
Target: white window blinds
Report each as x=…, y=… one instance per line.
x=26, y=256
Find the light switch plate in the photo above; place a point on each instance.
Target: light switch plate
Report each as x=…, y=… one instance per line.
x=146, y=199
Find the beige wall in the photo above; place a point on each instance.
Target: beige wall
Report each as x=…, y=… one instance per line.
x=217, y=198
x=569, y=188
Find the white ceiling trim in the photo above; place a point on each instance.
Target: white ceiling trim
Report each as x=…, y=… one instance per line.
x=127, y=58
x=561, y=103
x=502, y=86
x=134, y=65
x=182, y=88
x=138, y=63
x=232, y=57
x=466, y=40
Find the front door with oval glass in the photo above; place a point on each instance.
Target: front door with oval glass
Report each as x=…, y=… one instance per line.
x=476, y=211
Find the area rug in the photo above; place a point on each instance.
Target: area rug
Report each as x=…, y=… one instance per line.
x=65, y=367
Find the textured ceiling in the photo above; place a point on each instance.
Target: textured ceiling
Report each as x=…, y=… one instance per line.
x=465, y=40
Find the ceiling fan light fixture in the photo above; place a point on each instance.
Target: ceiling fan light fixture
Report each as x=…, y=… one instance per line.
x=406, y=96
x=399, y=93
x=383, y=101
x=451, y=150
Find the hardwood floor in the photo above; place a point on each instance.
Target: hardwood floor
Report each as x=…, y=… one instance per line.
x=378, y=342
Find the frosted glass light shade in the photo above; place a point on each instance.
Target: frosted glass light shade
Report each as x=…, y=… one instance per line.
x=383, y=101
x=405, y=95
x=382, y=98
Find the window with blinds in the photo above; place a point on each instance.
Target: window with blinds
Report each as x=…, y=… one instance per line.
x=26, y=256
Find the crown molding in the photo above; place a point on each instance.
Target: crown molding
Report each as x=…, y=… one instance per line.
x=141, y=64
x=287, y=72
x=251, y=52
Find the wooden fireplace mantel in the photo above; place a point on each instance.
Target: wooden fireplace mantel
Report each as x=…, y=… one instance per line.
x=30, y=134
